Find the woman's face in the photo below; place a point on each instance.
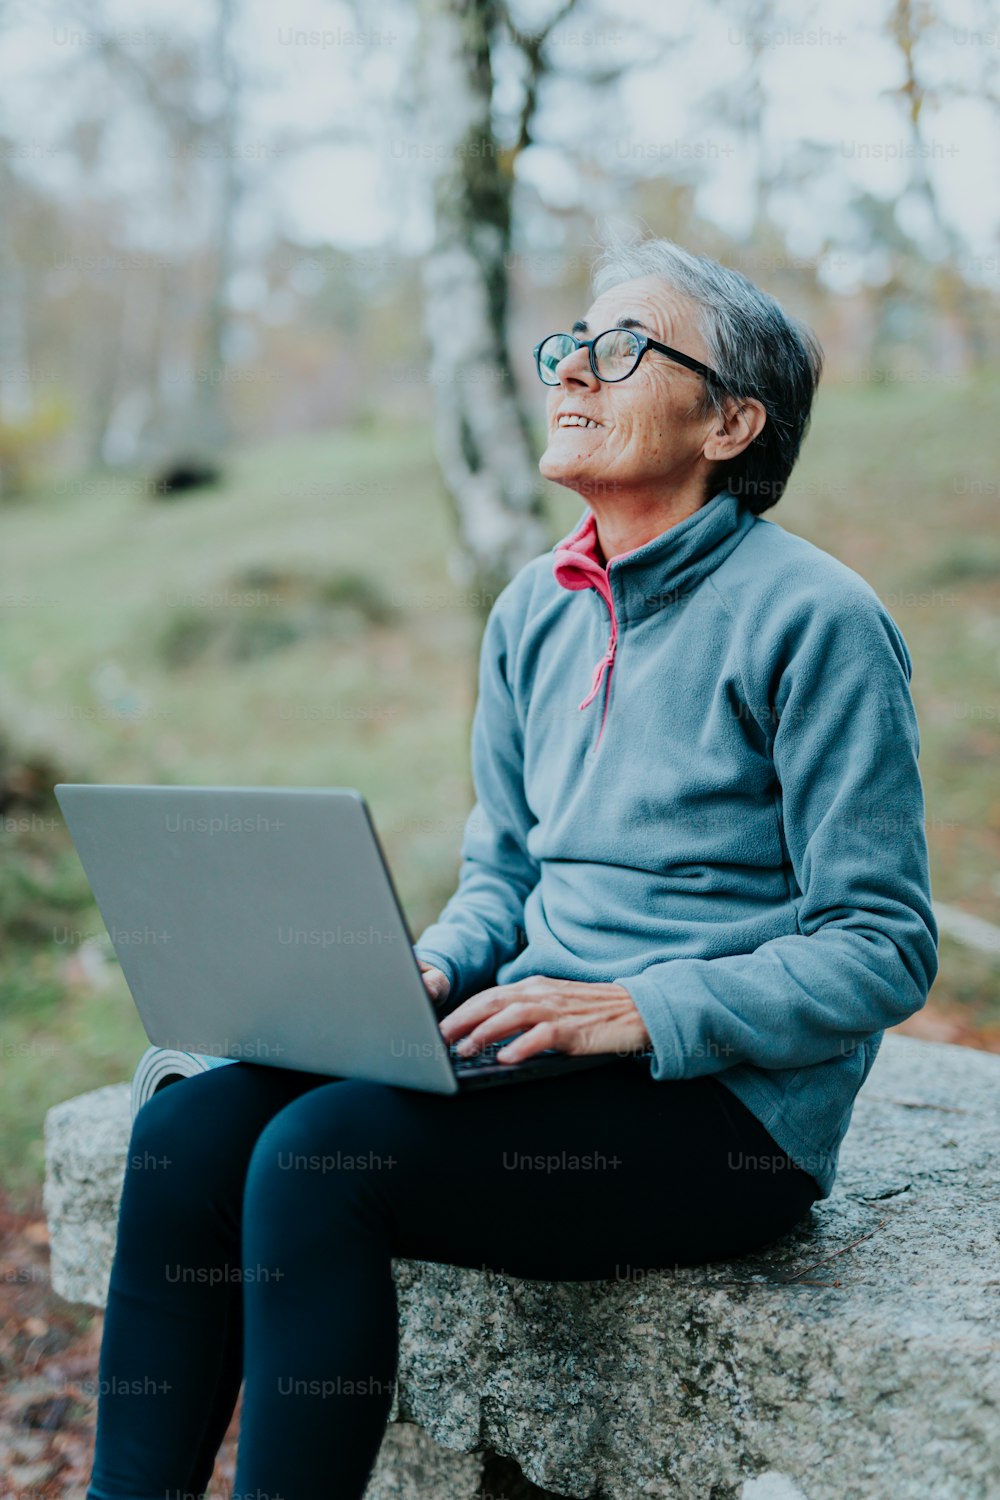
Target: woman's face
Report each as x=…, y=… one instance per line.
x=648, y=435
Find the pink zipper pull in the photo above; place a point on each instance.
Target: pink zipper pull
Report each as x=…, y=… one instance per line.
x=602, y=666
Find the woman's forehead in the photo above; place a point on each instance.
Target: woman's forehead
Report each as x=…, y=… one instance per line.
x=647, y=300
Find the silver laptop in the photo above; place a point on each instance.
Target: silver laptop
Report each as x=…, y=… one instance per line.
x=262, y=924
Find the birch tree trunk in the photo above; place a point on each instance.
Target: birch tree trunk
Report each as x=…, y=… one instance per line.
x=229, y=192
x=481, y=432
x=16, y=385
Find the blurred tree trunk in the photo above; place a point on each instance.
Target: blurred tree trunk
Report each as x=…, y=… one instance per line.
x=181, y=412
x=229, y=190
x=190, y=419
x=907, y=26
x=16, y=391
x=482, y=435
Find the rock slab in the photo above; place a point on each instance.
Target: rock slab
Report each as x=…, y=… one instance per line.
x=857, y=1358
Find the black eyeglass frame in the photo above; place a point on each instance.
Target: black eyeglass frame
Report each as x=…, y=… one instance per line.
x=645, y=343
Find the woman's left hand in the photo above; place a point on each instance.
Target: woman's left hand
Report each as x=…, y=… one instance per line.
x=563, y=1013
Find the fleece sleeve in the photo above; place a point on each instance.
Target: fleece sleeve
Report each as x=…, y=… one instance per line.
x=844, y=742
x=480, y=927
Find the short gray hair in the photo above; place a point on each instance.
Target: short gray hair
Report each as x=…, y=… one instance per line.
x=753, y=345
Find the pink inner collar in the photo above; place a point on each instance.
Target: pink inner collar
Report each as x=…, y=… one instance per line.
x=576, y=564
x=576, y=567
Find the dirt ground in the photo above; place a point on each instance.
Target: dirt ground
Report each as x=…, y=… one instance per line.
x=49, y=1353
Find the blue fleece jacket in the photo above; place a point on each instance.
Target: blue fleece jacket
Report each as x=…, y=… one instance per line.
x=734, y=831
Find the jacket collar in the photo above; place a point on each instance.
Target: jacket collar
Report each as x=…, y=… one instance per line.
x=662, y=572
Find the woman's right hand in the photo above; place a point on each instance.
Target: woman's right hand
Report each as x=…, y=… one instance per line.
x=436, y=983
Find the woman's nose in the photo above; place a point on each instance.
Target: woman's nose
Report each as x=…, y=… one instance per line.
x=574, y=369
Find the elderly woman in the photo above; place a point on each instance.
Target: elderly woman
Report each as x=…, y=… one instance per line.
x=698, y=846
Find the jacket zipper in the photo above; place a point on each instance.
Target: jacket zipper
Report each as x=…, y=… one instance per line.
x=612, y=647
x=605, y=665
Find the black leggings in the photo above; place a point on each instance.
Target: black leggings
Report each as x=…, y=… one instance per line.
x=262, y=1207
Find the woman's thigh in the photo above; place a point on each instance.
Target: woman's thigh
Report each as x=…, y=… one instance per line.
x=196, y=1136
x=584, y=1175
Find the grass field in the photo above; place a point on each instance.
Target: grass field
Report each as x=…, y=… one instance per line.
x=297, y=626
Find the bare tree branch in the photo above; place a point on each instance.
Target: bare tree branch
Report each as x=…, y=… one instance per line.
x=531, y=45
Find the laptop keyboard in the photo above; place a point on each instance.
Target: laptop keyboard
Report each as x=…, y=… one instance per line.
x=487, y=1056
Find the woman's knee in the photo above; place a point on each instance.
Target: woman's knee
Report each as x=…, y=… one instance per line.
x=193, y=1134
x=322, y=1146
x=160, y=1127
x=350, y=1114
x=161, y=1178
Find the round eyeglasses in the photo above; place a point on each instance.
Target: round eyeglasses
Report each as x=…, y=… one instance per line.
x=614, y=355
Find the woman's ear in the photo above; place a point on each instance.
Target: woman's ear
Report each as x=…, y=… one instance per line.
x=742, y=421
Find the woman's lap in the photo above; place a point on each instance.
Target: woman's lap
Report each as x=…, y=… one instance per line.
x=585, y=1175
x=261, y=1209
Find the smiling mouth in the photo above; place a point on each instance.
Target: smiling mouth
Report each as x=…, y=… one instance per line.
x=573, y=419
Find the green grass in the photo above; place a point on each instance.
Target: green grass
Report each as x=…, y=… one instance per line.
x=127, y=654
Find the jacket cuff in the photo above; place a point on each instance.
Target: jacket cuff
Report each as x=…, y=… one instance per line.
x=444, y=963
x=664, y=1033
